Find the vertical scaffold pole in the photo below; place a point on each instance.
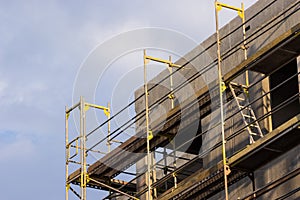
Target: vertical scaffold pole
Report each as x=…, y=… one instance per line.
x=83, y=177
x=67, y=152
x=244, y=40
x=108, y=142
x=108, y=127
x=171, y=82
x=244, y=30
x=170, y=68
x=149, y=197
x=221, y=86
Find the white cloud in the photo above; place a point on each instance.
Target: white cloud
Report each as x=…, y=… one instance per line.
x=3, y=86
x=20, y=93
x=21, y=149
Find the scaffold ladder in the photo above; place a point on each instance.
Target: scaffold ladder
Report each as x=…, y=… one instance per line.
x=241, y=96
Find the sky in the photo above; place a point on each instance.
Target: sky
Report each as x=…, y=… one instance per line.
x=43, y=46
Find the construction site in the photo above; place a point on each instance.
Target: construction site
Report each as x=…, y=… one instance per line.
x=222, y=122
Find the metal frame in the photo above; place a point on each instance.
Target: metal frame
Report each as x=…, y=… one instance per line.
x=81, y=149
x=170, y=66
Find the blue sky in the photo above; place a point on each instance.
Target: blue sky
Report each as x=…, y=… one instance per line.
x=42, y=46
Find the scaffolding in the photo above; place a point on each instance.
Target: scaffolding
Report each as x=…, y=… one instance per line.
x=188, y=178
x=170, y=65
x=222, y=87
x=81, y=150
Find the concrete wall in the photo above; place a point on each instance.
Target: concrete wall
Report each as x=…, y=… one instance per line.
x=271, y=26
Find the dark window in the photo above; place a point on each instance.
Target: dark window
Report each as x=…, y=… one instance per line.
x=280, y=96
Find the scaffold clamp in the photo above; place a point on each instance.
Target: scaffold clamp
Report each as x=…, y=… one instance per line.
x=150, y=135
x=227, y=170
x=223, y=86
x=171, y=96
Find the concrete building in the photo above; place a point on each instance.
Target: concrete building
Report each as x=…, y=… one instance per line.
x=261, y=118
x=268, y=21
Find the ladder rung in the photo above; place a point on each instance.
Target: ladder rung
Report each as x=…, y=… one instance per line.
x=251, y=133
x=245, y=107
x=249, y=116
x=241, y=107
x=233, y=83
x=253, y=125
x=240, y=98
x=243, y=86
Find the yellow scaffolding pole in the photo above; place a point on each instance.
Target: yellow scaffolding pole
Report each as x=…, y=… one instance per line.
x=168, y=62
x=67, y=153
x=106, y=111
x=171, y=96
x=241, y=13
x=83, y=174
x=170, y=66
x=81, y=147
x=148, y=134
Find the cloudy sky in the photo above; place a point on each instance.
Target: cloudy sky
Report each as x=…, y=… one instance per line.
x=42, y=46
